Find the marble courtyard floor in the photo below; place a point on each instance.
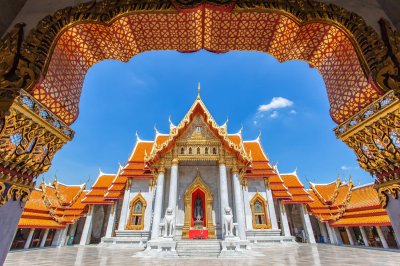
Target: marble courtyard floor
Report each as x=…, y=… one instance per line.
x=301, y=254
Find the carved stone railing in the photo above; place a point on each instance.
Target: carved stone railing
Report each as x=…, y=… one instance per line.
x=30, y=135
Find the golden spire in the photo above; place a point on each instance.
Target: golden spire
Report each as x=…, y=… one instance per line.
x=198, y=92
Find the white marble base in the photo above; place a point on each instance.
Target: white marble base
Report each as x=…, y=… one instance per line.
x=163, y=244
x=234, y=244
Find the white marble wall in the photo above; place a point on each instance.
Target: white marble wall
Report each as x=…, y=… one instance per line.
x=141, y=186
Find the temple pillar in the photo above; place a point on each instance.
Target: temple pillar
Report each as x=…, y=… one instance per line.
x=64, y=236
x=87, y=228
x=284, y=219
x=111, y=220
x=338, y=237
x=240, y=215
x=307, y=224
x=332, y=238
x=223, y=188
x=43, y=242
x=247, y=209
x=29, y=239
x=323, y=230
x=393, y=211
x=72, y=231
x=271, y=207
x=382, y=237
x=173, y=186
x=125, y=206
x=350, y=235
x=155, y=229
x=364, y=236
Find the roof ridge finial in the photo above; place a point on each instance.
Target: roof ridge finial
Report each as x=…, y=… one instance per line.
x=198, y=91
x=138, y=139
x=100, y=172
x=259, y=136
x=171, y=125
x=155, y=129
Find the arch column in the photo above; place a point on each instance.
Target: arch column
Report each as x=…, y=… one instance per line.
x=284, y=219
x=43, y=242
x=364, y=236
x=29, y=239
x=382, y=237
x=155, y=229
x=271, y=206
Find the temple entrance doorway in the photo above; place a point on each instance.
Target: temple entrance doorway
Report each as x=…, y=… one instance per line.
x=198, y=211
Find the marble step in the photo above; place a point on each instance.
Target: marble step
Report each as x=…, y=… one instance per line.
x=198, y=248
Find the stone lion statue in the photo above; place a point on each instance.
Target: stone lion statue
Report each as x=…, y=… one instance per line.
x=169, y=221
x=228, y=223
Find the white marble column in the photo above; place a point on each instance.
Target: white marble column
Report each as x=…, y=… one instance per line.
x=338, y=237
x=284, y=219
x=173, y=186
x=87, y=228
x=43, y=242
x=307, y=224
x=382, y=237
x=29, y=239
x=223, y=188
x=240, y=215
x=324, y=233
x=271, y=208
x=111, y=220
x=364, y=236
x=247, y=209
x=57, y=237
x=125, y=207
x=155, y=229
x=332, y=238
x=64, y=236
x=72, y=230
x=350, y=235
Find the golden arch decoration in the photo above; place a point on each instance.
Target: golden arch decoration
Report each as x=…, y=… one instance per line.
x=258, y=212
x=73, y=39
x=198, y=183
x=136, y=216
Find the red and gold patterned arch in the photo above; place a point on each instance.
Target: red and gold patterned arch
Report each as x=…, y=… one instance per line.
x=217, y=26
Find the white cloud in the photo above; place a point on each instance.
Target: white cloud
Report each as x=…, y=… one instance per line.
x=274, y=114
x=276, y=103
x=293, y=112
x=348, y=168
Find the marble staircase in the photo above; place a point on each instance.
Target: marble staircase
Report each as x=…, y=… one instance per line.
x=127, y=237
x=268, y=236
x=198, y=248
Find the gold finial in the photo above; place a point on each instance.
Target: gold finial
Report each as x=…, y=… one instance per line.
x=198, y=91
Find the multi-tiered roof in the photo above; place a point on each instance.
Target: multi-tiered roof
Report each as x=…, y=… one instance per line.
x=53, y=206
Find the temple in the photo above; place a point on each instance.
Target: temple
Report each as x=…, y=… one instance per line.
x=199, y=182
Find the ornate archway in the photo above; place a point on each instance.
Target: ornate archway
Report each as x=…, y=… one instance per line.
x=41, y=76
x=201, y=189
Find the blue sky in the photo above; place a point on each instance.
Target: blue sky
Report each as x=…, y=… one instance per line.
x=286, y=102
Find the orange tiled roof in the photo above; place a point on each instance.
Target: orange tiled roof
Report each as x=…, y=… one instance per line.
x=136, y=166
x=364, y=209
x=261, y=168
x=53, y=206
x=296, y=189
x=116, y=189
x=98, y=191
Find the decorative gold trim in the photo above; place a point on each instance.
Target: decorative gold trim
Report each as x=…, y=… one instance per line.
x=198, y=183
x=13, y=192
x=129, y=225
x=384, y=192
x=267, y=224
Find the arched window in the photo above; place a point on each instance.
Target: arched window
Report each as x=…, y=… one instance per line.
x=182, y=151
x=260, y=216
x=206, y=151
x=198, y=150
x=136, y=217
x=190, y=150
x=214, y=151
